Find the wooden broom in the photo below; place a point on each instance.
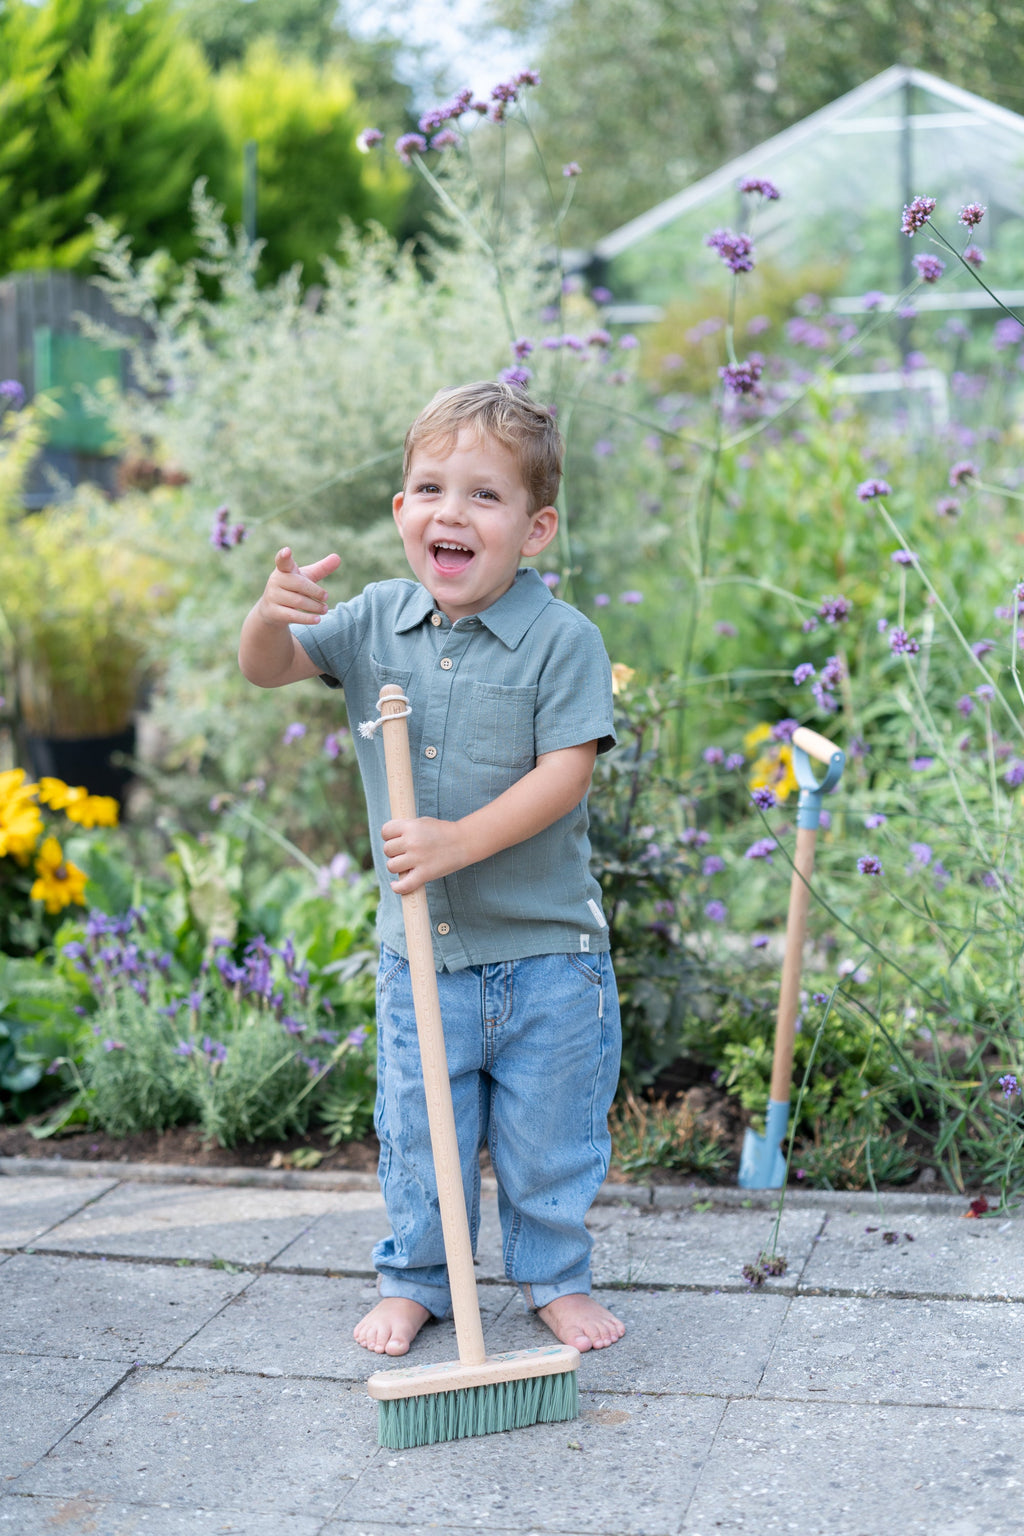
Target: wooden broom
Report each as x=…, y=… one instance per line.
x=478, y=1393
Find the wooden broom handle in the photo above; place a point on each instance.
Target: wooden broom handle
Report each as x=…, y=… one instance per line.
x=444, y=1143
x=789, y=986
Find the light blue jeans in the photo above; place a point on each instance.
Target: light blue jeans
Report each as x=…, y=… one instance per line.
x=533, y=1052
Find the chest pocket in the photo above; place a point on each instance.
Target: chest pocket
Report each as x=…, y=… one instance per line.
x=496, y=723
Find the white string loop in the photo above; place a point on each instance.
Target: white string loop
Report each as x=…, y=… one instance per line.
x=369, y=728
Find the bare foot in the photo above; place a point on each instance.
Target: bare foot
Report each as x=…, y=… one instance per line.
x=581, y=1321
x=390, y=1327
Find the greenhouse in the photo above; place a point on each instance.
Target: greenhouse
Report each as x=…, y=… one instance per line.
x=844, y=175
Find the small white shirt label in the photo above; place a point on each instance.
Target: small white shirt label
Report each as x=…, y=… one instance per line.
x=585, y=942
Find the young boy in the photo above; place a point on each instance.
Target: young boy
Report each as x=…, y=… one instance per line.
x=510, y=695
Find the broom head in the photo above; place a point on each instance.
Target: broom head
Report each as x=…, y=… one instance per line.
x=424, y=1404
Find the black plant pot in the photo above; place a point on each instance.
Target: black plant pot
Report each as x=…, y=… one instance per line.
x=85, y=760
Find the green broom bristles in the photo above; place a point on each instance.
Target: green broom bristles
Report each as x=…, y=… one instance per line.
x=431, y=1417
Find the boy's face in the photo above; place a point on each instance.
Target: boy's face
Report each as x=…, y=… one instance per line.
x=465, y=522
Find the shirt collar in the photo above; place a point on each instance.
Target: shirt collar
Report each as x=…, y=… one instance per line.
x=508, y=619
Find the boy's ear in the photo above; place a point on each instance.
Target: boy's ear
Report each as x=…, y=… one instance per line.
x=543, y=527
x=397, y=502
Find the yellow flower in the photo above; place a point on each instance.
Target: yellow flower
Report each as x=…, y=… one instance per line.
x=60, y=883
x=21, y=821
x=622, y=676
x=753, y=739
x=775, y=771
x=58, y=795
x=93, y=811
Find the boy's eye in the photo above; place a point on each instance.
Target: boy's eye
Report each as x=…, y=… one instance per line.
x=484, y=492
x=428, y=488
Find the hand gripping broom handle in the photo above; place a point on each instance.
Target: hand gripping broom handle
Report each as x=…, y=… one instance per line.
x=440, y=1115
x=814, y=745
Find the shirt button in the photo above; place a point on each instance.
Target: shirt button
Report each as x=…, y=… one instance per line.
x=430, y=752
x=435, y=619
x=444, y=928
x=446, y=663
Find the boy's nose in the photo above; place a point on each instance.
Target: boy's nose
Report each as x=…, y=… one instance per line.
x=451, y=510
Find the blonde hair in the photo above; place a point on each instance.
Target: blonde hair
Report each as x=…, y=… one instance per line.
x=506, y=414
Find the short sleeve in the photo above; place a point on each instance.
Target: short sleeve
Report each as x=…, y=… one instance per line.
x=574, y=700
x=334, y=643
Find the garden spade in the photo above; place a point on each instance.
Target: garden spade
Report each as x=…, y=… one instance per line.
x=762, y=1162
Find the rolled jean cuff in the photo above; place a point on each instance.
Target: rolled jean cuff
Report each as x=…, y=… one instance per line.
x=537, y=1296
x=436, y=1298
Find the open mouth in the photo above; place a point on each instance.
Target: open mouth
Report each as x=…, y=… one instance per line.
x=449, y=556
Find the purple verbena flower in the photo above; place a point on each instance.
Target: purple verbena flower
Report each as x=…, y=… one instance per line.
x=929, y=268
x=917, y=214
x=869, y=489
x=869, y=865
x=716, y=911
x=736, y=250
x=873, y=299
x=783, y=729
x=743, y=378
x=366, y=140
x=631, y=598
x=714, y=756
x=833, y=672
x=763, y=798
x=972, y=215
x=518, y=376
x=762, y=849
x=1014, y=775
x=947, y=506
x=962, y=471
x=834, y=610
x=922, y=854
x=712, y=865
x=902, y=644
x=1009, y=1084
x=981, y=648
x=974, y=256
x=12, y=395
x=733, y=761
x=921, y=764
x=802, y=674
x=759, y=941
x=876, y=819
x=903, y=557
x=571, y=169
x=294, y=732
x=184, y=1048
x=768, y=190
x=409, y=144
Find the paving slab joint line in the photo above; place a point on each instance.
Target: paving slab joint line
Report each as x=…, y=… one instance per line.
x=660, y=1197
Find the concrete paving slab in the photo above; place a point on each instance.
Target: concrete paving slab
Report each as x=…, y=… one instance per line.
x=411, y=1527
x=342, y=1240
x=243, y=1226
x=859, y=1470
x=644, y=1246
x=104, y=1310
x=302, y=1325
x=851, y=1349
x=675, y=1341
x=924, y=1255
x=85, y=1515
x=217, y=1442
x=31, y=1206
x=40, y=1400
x=628, y=1468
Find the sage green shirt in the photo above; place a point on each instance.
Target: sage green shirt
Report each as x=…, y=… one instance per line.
x=488, y=694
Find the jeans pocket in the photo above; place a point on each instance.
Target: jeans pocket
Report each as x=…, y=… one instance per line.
x=390, y=968
x=587, y=969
